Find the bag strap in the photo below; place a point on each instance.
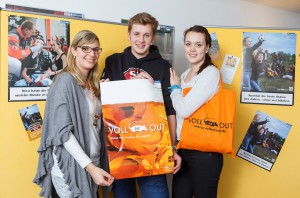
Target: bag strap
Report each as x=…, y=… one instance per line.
x=220, y=82
x=186, y=90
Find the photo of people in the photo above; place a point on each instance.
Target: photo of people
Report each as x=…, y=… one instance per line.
x=268, y=68
x=36, y=52
x=229, y=67
x=264, y=140
x=32, y=121
x=214, y=50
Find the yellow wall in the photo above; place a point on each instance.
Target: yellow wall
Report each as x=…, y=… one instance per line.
x=18, y=155
x=239, y=179
x=242, y=179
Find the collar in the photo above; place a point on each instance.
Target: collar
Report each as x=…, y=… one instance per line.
x=20, y=33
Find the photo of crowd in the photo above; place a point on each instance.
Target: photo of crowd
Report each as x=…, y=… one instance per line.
x=32, y=121
x=214, y=50
x=268, y=62
x=37, y=50
x=264, y=137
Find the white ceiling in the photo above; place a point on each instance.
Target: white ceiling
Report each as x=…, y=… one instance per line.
x=288, y=5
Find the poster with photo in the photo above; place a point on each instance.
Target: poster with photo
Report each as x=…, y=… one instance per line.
x=264, y=140
x=32, y=121
x=136, y=129
x=37, y=49
x=268, y=75
x=214, y=50
x=228, y=68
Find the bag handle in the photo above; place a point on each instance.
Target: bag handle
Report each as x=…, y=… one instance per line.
x=220, y=82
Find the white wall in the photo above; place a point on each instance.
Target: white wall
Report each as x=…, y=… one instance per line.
x=178, y=13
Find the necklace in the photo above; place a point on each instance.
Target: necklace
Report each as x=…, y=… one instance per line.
x=93, y=99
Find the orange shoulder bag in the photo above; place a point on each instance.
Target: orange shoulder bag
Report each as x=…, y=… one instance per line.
x=211, y=127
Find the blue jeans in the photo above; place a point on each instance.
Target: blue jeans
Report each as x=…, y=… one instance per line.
x=246, y=141
x=246, y=80
x=151, y=187
x=35, y=78
x=255, y=85
x=26, y=126
x=251, y=148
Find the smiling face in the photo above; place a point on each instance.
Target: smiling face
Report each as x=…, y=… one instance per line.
x=86, y=61
x=248, y=42
x=257, y=118
x=195, y=48
x=140, y=37
x=260, y=57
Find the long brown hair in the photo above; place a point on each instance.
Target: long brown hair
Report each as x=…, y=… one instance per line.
x=81, y=38
x=200, y=29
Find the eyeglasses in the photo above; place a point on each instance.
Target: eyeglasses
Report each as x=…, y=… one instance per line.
x=87, y=49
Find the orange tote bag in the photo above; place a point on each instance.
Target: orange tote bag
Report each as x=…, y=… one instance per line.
x=211, y=127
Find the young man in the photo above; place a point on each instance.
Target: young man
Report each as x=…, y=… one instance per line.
x=143, y=61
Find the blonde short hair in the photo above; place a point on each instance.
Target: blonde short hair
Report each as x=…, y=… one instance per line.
x=143, y=18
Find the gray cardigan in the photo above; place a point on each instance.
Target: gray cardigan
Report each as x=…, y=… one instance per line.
x=67, y=112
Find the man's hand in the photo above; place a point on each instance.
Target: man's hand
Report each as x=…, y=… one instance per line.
x=144, y=75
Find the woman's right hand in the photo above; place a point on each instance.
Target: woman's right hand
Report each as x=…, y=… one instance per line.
x=174, y=79
x=100, y=176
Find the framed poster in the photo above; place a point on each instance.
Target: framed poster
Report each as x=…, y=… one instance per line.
x=31, y=55
x=268, y=68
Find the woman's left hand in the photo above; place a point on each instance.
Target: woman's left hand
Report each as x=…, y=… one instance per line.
x=100, y=176
x=177, y=161
x=174, y=79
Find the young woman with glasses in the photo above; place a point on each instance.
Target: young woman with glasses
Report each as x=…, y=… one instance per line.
x=72, y=153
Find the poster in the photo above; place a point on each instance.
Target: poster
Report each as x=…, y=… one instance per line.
x=136, y=127
x=268, y=75
x=214, y=50
x=31, y=55
x=228, y=68
x=32, y=121
x=264, y=140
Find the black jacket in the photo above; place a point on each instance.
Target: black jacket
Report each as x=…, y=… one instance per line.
x=121, y=66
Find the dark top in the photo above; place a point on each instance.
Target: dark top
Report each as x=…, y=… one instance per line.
x=39, y=64
x=59, y=62
x=257, y=69
x=247, y=55
x=123, y=66
x=253, y=127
